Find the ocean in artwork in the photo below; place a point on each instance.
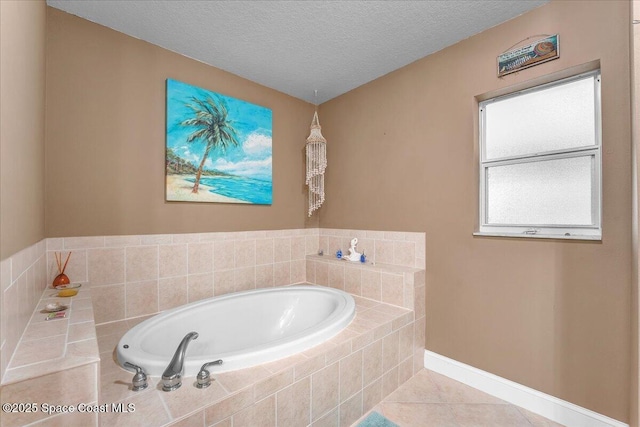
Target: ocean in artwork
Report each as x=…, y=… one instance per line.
x=250, y=190
x=218, y=148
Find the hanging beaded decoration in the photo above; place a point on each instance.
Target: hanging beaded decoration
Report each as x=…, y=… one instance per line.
x=316, y=164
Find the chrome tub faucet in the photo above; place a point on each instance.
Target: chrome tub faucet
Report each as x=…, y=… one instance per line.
x=172, y=376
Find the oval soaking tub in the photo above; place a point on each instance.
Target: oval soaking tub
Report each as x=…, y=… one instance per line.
x=243, y=329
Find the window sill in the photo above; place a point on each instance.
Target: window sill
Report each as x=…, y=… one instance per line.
x=539, y=236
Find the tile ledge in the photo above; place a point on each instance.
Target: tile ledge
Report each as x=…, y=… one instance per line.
x=17, y=372
x=387, y=268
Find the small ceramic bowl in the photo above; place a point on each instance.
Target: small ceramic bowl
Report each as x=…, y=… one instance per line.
x=54, y=306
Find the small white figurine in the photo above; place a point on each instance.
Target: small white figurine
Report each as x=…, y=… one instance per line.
x=353, y=254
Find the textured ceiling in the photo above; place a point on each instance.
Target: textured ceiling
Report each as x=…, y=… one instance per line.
x=297, y=47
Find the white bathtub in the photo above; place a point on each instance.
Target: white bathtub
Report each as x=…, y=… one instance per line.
x=243, y=329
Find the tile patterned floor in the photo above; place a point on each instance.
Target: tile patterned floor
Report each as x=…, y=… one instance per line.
x=430, y=399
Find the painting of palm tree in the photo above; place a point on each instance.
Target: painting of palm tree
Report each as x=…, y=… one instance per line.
x=213, y=127
x=218, y=147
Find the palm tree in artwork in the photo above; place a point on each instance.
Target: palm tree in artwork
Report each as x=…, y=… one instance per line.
x=211, y=118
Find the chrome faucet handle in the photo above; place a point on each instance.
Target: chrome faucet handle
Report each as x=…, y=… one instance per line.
x=139, y=379
x=203, y=380
x=172, y=376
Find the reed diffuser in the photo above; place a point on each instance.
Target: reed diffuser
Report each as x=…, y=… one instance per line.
x=61, y=278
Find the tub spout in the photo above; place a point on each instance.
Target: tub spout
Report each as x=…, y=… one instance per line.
x=172, y=376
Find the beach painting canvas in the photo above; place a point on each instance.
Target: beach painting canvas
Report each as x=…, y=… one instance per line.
x=218, y=148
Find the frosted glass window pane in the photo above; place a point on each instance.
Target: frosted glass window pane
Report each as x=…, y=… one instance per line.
x=551, y=192
x=555, y=118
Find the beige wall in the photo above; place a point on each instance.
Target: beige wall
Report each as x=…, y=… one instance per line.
x=553, y=315
x=106, y=138
x=22, y=80
x=634, y=420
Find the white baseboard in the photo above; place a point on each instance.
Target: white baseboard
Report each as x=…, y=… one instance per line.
x=550, y=407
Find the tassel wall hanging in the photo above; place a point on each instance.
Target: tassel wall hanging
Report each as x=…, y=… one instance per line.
x=316, y=151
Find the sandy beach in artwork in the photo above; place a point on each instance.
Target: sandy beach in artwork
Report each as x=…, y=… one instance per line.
x=179, y=190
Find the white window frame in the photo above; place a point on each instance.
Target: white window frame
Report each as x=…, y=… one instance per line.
x=590, y=232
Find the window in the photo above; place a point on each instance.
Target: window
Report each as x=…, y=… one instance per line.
x=540, y=161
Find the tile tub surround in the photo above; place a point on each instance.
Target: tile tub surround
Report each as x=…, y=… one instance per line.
x=388, y=247
x=387, y=283
x=56, y=362
x=331, y=384
x=22, y=280
x=133, y=276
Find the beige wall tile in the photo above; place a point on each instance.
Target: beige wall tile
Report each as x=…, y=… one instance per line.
x=323, y=245
x=282, y=273
x=293, y=404
x=47, y=389
x=195, y=420
x=298, y=271
x=237, y=380
x=309, y=366
x=245, y=253
x=298, y=248
x=392, y=288
x=245, y=279
x=324, y=390
x=372, y=358
x=156, y=239
x=336, y=276
x=223, y=282
x=70, y=419
x=173, y=260
x=108, y=303
x=352, y=280
x=384, y=251
x=419, y=334
x=149, y=412
x=83, y=242
x=272, y=384
x=185, y=238
x=264, y=276
x=404, y=253
x=200, y=286
x=200, y=259
x=141, y=263
x=172, y=292
x=312, y=245
x=223, y=255
x=141, y=298
x=41, y=330
x=371, y=284
x=389, y=382
x=121, y=241
x=405, y=370
x=310, y=271
x=81, y=331
x=224, y=423
x=419, y=301
x=350, y=375
x=29, y=352
x=228, y=406
x=390, y=351
x=409, y=301
x=322, y=273
x=262, y=414
x=282, y=249
x=264, y=251
x=405, y=342
x=189, y=398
